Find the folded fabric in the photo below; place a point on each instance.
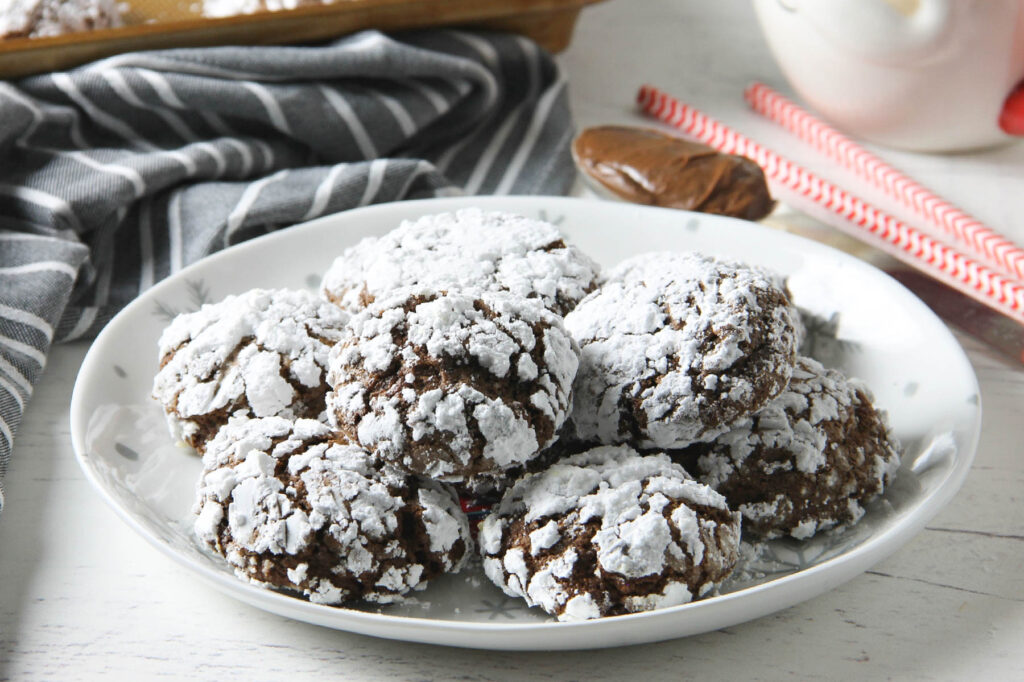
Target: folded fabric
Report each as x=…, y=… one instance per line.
x=120, y=173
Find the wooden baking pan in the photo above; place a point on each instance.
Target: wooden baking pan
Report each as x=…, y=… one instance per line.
x=155, y=24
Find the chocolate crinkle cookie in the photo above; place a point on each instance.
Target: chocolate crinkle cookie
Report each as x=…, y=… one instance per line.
x=471, y=248
x=452, y=385
x=292, y=507
x=46, y=18
x=677, y=346
x=260, y=354
x=609, y=532
x=806, y=462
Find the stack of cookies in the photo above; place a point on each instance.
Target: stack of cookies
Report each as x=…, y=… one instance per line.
x=621, y=428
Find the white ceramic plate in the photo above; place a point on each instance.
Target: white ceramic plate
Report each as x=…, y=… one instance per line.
x=864, y=322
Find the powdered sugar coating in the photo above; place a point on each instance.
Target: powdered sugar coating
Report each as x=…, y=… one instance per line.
x=487, y=489
x=676, y=346
x=471, y=248
x=229, y=8
x=807, y=461
x=452, y=385
x=45, y=18
x=290, y=506
x=609, y=531
x=262, y=353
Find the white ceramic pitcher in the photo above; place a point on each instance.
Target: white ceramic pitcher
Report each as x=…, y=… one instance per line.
x=926, y=75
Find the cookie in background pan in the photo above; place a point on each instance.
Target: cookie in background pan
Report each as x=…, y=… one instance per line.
x=47, y=18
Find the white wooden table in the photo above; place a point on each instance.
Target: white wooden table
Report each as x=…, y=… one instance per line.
x=81, y=596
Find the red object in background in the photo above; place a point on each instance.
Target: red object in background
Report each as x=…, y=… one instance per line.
x=475, y=509
x=919, y=250
x=1011, y=118
x=474, y=506
x=998, y=250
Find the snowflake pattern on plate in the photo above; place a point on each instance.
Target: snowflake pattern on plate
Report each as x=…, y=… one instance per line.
x=197, y=294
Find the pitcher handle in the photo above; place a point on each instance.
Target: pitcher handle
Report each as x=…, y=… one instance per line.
x=1011, y=118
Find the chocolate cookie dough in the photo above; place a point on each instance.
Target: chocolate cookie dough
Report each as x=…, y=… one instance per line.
x=262, y=353
x=290, y=506
x=649, y=167
x=452, y=385
x=471, y=248
x=806, y=462
x=609, y=532
x=677, y=346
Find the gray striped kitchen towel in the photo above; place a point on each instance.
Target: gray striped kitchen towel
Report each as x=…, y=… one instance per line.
x=121, y=172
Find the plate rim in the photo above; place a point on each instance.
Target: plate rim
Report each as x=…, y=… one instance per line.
x=535, y=636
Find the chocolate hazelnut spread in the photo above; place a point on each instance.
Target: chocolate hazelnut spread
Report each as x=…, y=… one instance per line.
x=649, y=167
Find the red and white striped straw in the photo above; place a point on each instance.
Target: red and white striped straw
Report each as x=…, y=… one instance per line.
x=1000, y=252
x=910, y=245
